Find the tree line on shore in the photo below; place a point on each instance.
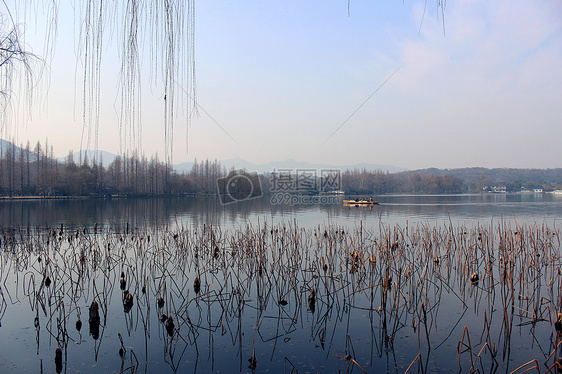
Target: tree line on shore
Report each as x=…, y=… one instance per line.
x=36, y=172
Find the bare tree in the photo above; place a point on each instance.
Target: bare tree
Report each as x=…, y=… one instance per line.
x=166, y=27
x=21, y=161
x=17, y=67
x=27, y=166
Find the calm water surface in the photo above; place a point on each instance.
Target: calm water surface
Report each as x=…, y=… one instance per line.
x=393, y=209
x=391, y=285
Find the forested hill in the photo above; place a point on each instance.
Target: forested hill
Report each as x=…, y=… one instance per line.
x=35, y=171
x=513, y=179
x=453, y=180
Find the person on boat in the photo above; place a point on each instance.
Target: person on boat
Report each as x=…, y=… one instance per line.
x=371, y=200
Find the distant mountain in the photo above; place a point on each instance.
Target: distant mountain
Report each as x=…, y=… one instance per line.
x=480, y=176
x=184, y=167
x=104, y=157
x=238, y=163
x=6, y=146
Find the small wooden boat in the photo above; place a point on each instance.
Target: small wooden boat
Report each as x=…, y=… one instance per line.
x=362, y=202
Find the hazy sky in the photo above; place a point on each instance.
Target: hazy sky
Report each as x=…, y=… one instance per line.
x=281, y=76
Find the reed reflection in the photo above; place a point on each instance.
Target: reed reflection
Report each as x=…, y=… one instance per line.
x=271, y=296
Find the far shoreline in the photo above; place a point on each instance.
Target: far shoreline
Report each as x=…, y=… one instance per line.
x=121, y=196
x=103, y=197
x=20, y=198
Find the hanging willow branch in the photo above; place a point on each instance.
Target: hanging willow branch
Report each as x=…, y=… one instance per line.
x=172, y=37
x=19, y=68
x=167, y=29
x=164, y=30
x=130, y=79
x=91, y=18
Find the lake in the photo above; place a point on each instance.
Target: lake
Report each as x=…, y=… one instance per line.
x=416, y=284
x=393, y=209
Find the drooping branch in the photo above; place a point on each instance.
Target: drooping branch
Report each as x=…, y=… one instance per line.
x=21, y=69
x=161, y=29
x=17, y=68
x=91, y=16
x=172, y=40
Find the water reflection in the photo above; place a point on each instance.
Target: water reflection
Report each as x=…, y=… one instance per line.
x=393, y=209
x=267, y=297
